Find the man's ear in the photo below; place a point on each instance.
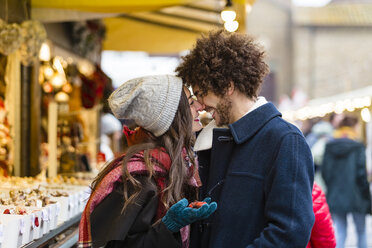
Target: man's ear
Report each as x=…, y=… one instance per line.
x=231, y=88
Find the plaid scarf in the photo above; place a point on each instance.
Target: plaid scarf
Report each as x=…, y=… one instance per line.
x=136, y=165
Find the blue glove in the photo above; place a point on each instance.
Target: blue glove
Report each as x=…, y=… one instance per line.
x=179, y=215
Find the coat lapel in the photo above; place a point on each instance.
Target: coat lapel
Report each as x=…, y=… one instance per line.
x=223, y=144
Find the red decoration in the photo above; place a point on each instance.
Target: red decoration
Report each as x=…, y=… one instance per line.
x=101, y=157
x=92, y=88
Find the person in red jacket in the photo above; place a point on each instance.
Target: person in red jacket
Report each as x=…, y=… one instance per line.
x=322, y=234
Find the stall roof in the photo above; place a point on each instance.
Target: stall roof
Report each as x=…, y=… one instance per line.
x=126, y=34
x=169, y=30
x=107, y=6
x=155, y=26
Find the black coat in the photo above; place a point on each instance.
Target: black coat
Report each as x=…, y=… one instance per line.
x=135, y=228
x=260, y=172
x=345, y=175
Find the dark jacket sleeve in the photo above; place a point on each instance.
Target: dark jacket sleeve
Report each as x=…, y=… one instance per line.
x=288, y=187
x=133, y=228
x=362, y=181
x=322, y=234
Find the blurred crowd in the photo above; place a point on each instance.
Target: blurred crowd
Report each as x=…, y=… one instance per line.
x=339, y=155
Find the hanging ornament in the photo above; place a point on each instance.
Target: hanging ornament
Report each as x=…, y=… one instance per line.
x=34, y=34
x=10, y=37
x=48, y=87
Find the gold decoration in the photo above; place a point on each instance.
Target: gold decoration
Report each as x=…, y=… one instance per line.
x=10, y=37
x=34, y=34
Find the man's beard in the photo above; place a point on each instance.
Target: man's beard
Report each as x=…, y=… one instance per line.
x=223, y=109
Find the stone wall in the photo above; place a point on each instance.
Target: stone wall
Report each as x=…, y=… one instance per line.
x=332, y=60
x=270, y=22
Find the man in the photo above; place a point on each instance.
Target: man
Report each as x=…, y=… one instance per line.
x=259, y=169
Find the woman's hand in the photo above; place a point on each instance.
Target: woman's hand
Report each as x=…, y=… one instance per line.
x=180, y=215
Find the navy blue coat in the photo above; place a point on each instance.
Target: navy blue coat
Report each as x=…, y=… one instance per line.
x=260, y=172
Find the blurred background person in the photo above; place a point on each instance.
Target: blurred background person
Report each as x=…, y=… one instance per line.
x=111, y=133
x=322, y=234
x=345, y=176
x=321, y=133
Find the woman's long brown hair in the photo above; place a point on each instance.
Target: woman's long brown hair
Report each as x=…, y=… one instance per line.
x=177, y=137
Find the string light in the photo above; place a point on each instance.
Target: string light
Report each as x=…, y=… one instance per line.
x=44, y=54
x=366, y=115
x=231, y=26
x=337, y=107
x=228, y=15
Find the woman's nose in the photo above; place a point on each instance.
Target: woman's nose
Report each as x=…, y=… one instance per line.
x=199, y=106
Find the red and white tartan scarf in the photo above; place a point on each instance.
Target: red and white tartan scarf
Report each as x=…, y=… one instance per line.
x=135, y=166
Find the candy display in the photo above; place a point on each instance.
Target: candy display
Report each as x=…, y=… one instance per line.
x=32, y=207
x=5, y=141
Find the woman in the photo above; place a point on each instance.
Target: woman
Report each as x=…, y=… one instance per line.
x=139, y=199
x=195, y=107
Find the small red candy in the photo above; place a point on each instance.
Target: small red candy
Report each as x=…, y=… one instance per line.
x=37, y=222
x=196, y=204
x=22, y=212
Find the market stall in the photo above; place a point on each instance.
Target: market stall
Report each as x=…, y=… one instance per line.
x=49, y=129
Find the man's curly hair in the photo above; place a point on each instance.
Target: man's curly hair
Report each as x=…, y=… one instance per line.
x=221, y=58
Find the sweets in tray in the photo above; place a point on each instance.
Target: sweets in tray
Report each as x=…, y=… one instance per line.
x=30, y=208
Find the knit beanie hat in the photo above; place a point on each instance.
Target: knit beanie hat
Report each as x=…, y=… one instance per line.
x=150, y=101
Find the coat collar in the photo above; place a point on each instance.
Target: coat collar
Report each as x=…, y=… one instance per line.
x=205, y=137
x=249, y=124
